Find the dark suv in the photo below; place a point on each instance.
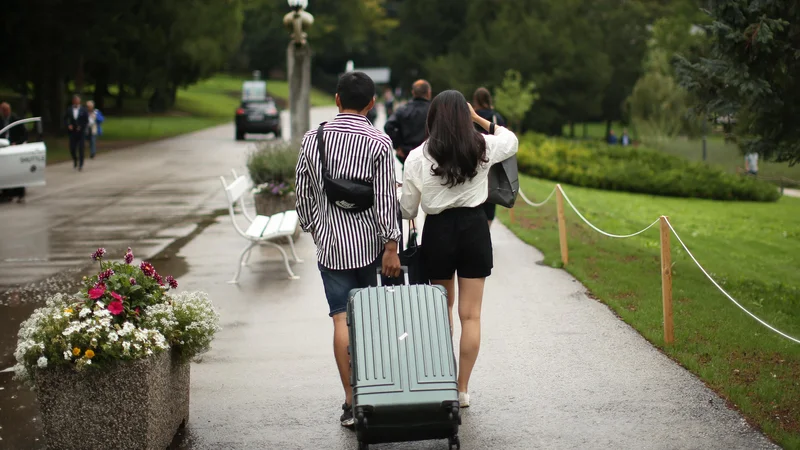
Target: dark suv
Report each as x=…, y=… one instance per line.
x=258, y=117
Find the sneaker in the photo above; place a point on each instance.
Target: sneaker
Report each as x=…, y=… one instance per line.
x=463, y=399
x=347, y=419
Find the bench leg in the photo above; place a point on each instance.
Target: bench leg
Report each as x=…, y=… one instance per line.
x=245, y=254
x=292, y=276
x=294, y=253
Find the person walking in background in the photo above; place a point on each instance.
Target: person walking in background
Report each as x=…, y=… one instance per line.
x=612, y=138
x=16, y=135
x=94, y=127
x=350, y=245
x=625, y=140
x=484, y=107
x=406, y=126
x=388, y=101
x=75, y=119
x=751, y=163
x=448, y=176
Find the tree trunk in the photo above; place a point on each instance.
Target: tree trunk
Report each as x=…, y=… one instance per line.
x=120, y=95
x=101, y=88
x=571, y=129
x=608, y=129
x=585, y=130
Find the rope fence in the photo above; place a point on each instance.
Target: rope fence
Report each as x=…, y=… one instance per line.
x=667, y=230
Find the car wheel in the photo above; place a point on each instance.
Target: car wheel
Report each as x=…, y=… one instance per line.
x=239, y=135
x=278, y=134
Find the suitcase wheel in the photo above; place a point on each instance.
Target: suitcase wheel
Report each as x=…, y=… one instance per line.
x=455, y=443
x=363, y=445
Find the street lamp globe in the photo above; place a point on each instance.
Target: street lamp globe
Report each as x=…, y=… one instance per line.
x=298, y=4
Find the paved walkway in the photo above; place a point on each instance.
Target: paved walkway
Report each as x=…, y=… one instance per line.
x=556, y=369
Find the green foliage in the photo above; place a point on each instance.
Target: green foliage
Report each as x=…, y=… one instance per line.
x=514, y=98
x=751, y=73
x=657, y=108
x=634, y=170
x=750, y=249
x=273, y=162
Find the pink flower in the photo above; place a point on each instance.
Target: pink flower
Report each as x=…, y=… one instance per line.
x=173, y=283
x=133, y=281
x=117, y=296
x=106, y=274
x=116, y=307
x=129, y=256
x=147, y=269
x=158, y=279
x=97, y=291
x=98, y=255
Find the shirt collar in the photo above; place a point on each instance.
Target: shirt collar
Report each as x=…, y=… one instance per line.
x=351, y=118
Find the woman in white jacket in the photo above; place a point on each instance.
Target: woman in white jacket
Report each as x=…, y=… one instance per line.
x=448, y=176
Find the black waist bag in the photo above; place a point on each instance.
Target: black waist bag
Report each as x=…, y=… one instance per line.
x=349, y=195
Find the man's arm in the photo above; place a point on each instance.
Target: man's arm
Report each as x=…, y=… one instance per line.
x=387, y=209
x=392, y=128
x=306, y=203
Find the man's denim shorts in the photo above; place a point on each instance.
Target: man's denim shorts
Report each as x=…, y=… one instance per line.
x=339, y=283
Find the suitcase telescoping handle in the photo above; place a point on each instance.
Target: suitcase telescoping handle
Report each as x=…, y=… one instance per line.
x=403, y=268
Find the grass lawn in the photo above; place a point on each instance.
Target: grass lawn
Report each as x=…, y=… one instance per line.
x=750, y=248
x=597, y=130
x=202, y=105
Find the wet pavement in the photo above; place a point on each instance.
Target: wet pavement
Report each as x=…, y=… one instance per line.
x=556, y=370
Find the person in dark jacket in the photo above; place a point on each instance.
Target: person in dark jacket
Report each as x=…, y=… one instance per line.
x=482, y=102
x=15, y=135
x=76, y=119
x=406, y=126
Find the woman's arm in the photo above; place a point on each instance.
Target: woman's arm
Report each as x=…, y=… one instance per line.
x=501, y=145
x=410, y=195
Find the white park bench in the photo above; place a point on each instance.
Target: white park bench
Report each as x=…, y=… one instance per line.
x=262, y=230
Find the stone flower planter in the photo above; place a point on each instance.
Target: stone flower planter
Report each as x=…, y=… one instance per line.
x=268, y=204
x=136, y=405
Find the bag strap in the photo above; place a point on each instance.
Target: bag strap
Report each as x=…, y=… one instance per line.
x=321, y=148
x=494, y=117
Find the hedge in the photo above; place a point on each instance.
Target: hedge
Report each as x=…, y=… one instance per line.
x=636, y=170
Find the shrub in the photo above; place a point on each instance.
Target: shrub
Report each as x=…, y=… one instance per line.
x=273, y=162
x=630, y=169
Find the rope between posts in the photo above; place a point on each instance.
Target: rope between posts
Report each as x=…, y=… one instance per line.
x=619, y=236
x=725, y=292
x=536, y=205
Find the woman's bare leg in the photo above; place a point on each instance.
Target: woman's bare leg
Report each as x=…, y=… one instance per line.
x=470, y=298
x=450, y=285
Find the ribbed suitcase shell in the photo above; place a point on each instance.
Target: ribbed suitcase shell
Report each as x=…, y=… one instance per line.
x=403, y=366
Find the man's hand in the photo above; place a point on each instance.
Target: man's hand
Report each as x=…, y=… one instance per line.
x=69, y=127
x=390, y=266
x=400, y=153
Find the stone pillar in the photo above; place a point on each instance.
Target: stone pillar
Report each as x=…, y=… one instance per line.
x=299, y=71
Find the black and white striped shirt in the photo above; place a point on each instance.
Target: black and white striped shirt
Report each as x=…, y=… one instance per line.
x=355, y=150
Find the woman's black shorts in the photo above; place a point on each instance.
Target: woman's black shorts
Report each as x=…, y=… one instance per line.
x=457, y=241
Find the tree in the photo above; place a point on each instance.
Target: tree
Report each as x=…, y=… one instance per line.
x=514, y=98
x=751, y=74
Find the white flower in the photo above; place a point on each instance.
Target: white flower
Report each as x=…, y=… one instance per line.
x=88, y=362
x=84, y=312
x=42, y=362
x=113, y=337
x=67, y=355
x=93, y=342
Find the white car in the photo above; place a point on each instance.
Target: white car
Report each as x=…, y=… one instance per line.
x=22, y=165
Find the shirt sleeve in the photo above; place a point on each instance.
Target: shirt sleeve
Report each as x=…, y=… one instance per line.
x=502, y=145
x=306, y=204
x=410, y=196
x=386, y=205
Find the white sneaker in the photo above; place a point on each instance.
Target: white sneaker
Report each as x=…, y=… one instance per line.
x=463, y=399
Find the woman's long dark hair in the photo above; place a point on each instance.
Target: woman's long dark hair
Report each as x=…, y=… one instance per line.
x=452, y=140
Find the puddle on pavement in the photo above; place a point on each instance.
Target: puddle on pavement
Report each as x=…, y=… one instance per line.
x=20, y=424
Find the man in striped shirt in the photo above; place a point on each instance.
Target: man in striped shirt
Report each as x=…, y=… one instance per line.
x=350, y=245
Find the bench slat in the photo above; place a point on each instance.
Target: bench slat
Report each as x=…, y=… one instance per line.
x=289, y=223
x=256, y=229
x=274, y=226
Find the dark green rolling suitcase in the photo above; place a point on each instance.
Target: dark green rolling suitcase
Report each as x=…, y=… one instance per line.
x=403, y=366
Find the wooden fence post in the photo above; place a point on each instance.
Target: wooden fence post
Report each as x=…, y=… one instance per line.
x=666, y=281
x=562, y=226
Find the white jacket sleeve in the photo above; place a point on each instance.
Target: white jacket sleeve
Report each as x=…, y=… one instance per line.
x=502, y=145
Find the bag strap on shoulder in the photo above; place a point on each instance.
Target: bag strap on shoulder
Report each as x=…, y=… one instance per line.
x=321, y=147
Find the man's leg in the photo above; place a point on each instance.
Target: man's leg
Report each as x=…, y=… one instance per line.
x=81, y=141
x=92, y=146
x=341, y=339
x=73, y=149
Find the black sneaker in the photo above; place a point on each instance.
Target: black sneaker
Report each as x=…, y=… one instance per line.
x=347, y=419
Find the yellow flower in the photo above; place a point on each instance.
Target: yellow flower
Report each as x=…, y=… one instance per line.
x=89, y=354
x=68, y=310
x=76, y=351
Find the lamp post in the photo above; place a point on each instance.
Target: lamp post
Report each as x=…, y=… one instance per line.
x=298, y=65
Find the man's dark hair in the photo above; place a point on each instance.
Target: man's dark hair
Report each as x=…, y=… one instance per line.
x=355, y=90
x=420, y=89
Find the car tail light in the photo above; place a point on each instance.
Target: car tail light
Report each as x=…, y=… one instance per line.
x=272, y=111
x=239, y=112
